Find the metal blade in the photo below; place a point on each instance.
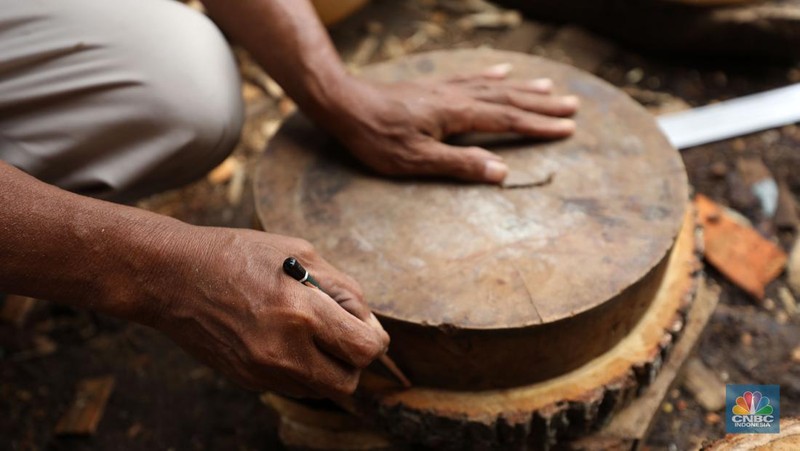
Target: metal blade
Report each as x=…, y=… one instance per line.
x=732, y=118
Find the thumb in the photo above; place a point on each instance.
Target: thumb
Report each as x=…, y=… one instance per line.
x=473, y=164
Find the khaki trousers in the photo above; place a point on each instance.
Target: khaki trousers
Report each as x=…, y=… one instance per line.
x=115, y=99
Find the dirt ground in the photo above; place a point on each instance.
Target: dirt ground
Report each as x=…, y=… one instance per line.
x=165, y=400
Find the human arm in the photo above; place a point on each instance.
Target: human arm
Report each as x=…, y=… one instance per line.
x=394, y=129
x=219, y=293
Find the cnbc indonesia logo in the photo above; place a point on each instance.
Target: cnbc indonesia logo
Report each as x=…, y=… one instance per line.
x=752, y=407
x=753, y=411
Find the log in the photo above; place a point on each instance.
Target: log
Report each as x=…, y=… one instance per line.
x=469, y=279
x=760, y=30
x=564, y=408
x=624, y=431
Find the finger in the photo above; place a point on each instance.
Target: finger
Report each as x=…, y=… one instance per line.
x=256, y=378
x=330, y=377
x=343, y=335
x=341, y=287
x=465, y=163
x=347, y=292
x=495, y=118
x=560, y=106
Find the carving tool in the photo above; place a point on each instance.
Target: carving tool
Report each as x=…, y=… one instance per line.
x=294, y=269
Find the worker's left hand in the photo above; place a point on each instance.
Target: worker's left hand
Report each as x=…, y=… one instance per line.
x=396, y=129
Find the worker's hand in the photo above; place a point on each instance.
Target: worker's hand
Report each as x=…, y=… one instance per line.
x=396, y=129
x=237, y=311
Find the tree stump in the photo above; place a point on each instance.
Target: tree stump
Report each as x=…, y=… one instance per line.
x=565, y=407
x=787, y=440
x=493, y=296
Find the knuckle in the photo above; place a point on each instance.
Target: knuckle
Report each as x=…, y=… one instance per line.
x=347, y=385
x=304, y=247
x=300, y=246
x=262, y=358
x=407, y=161
x=520, y=122
x=367, y=351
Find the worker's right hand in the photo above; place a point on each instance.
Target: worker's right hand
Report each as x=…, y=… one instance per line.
x=232, y=307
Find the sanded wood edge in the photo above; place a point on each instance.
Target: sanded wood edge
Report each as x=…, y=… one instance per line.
x=569, y=406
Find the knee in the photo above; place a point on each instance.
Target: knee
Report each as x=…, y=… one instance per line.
x=199, y=93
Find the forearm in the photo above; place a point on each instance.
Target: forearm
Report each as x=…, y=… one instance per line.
x=88, y=253
x=288, y=40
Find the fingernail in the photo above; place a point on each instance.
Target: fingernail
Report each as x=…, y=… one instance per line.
x=498, y=70
x=545, y=84
x=572, y=101
x=495, y=171
x=567, y=125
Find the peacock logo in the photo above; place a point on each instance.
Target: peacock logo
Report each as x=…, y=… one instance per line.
x=753, y=409
x=752, y=403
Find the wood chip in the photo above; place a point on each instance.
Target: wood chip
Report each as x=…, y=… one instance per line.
x=251, y=93
x=788, y=301
x=738, y=252
x=367, y=48
x=796, y=355
x=15, y=309
x=236, y=187
x=286, y=106
x=87, y=408
x=523, y=179
x=752, y=169
x=134, y=430
x=393, y=47
x=786, y=215
x=490, y=20
x=467, y=6
x=223, y=173
x=269, y=128
x=704, y=384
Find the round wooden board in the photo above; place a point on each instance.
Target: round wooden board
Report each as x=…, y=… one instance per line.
x=474, y=282
x=540, y=415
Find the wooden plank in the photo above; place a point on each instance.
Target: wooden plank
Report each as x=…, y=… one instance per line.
x=86, y=410
x=707, y=388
